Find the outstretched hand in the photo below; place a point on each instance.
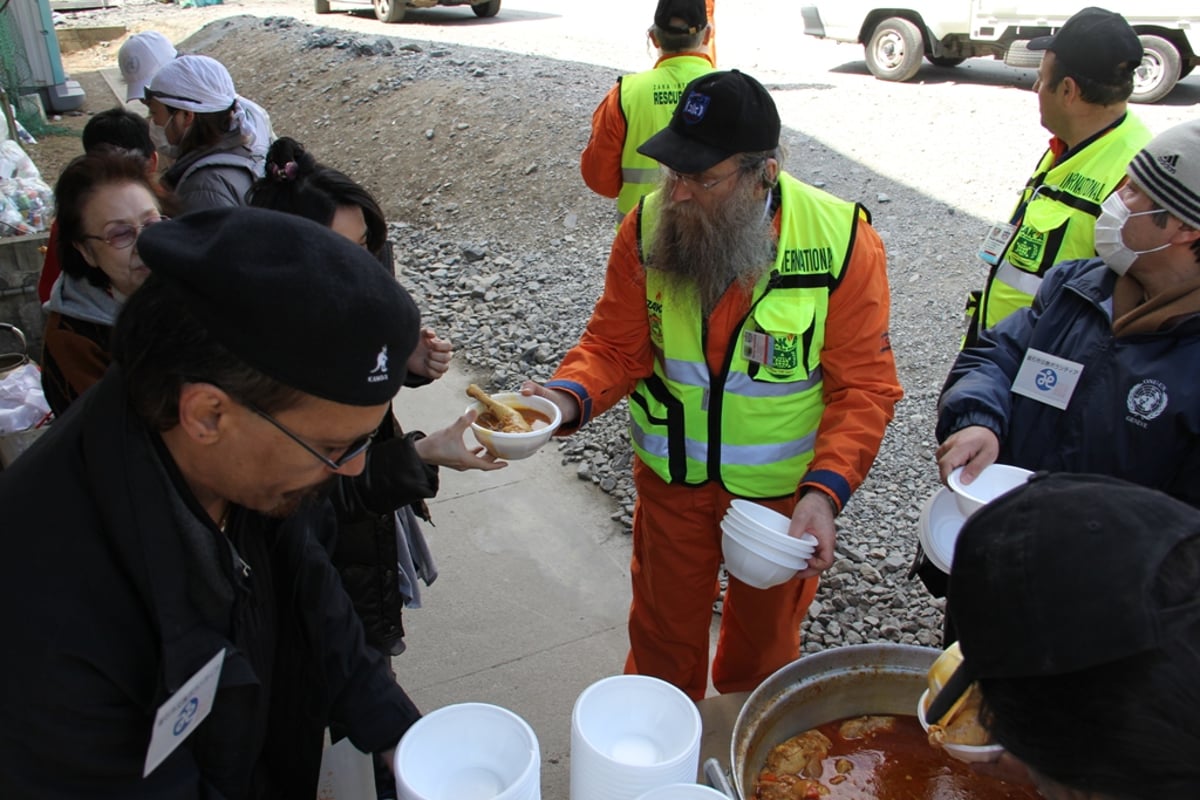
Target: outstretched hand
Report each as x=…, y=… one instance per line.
x=431, y=358
x=565, y=401
x=973, y=448
x=446, y=448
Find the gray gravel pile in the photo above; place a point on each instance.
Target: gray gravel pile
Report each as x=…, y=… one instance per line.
x=512, y=316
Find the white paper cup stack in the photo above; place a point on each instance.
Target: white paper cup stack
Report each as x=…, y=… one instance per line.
x=469, y=751
x=631, y=734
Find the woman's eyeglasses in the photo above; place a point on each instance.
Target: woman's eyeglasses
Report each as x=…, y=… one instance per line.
x=122, y=237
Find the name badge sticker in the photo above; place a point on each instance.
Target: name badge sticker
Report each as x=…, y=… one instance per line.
x=183, y=712
x=1047, y=378
x=997, y=239
x=758, y=347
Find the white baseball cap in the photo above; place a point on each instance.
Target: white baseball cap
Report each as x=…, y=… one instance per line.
x=194, y=83
x=142, y=55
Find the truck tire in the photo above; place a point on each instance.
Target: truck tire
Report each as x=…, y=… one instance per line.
x=389, y=10
x=944, y=61
x=321, y=6
x=895, y=50
x=1019, y=55
x=1159, y=71
x=489, y=9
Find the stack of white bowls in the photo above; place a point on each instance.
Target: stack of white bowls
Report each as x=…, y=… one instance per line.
x=631, y=734
x=469, y=751
x=757, y=548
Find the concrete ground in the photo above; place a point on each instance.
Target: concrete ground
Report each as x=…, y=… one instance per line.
x=531, y=598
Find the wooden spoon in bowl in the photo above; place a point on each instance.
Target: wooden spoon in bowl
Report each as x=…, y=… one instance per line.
x=510, y=419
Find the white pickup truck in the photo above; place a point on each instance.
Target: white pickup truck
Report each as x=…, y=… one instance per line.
x=947, y=32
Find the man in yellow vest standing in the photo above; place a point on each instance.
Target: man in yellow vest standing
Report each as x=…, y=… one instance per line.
x=1083, y=86
x=745, y=316
x=640, y=105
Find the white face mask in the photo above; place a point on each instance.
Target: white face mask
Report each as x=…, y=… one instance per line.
x=158, y=135
x=1109, y=244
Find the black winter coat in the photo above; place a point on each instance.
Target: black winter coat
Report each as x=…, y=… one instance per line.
x=115, y=590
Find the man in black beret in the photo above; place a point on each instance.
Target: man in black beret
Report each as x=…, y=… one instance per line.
x=174, y=627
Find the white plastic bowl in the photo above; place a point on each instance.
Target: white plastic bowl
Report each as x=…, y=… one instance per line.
x=630, y=734
x=515, y=446
x=770, y=524
x=755, y=565
x=468, y=751
x=969, y=753
x=803, y=548
x=993, y=481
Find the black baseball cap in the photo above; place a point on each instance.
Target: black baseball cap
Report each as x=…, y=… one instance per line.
x=721, y=114
x=1060, y=575
x=1095, y=44
x=691, y=12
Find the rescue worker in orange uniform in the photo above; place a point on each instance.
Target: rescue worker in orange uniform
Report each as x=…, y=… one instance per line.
x=640, y=105
x=745, y=316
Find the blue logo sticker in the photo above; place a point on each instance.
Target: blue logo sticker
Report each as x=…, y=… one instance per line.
x=694, y=107
x=186, y=714
x=1046, y=379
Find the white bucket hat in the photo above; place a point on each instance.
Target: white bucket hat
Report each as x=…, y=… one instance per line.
x=143, y=55
x=194, y=83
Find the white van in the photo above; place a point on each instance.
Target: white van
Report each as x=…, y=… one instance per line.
x=947, y=32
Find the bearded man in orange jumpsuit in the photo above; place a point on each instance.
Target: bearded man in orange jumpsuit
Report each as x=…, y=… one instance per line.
x=745, y=315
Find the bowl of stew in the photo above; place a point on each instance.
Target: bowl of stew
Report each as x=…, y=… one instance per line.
x=541, y=414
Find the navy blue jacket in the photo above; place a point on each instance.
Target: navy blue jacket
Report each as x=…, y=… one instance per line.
x=1135, y=413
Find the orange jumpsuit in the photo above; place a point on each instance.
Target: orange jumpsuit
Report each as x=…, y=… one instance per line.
x=676, y=534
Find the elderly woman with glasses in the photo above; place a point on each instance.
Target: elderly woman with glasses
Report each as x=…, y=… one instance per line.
x=103, y=199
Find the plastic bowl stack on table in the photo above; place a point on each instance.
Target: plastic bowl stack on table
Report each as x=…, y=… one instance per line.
x=515, y=446
x=631, y=734
x=469, y=751
x=757, y=548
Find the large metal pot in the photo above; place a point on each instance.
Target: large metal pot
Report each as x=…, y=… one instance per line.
x=843, y=682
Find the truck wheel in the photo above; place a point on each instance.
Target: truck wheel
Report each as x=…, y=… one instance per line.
x=488, y=9
x=389, y=10
x=1158, y=72
x=944, y=61
x=321, y=6
x=895, y=50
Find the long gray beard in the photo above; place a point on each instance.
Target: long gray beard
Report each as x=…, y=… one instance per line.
x=704, y=254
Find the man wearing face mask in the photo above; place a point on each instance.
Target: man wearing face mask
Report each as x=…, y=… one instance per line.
x=1099, y=375
x=1083, y=86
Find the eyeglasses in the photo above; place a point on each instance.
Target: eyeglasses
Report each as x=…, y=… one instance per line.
x=694, y=180
x=352, y=451
x=122, y=237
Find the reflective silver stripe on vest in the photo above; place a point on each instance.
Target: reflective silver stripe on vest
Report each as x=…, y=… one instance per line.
x=744, y=455
x=657, y=445
x=740, y=383
x=689, y=373
x=633, y=175
x=1018, y=279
